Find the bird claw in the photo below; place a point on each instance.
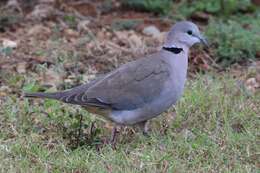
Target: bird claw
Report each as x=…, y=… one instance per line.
x=146, y=134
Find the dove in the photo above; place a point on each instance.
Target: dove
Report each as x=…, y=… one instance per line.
x=139, y=90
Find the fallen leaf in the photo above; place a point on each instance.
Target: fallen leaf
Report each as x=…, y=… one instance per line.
x=258, y=54
x=256, y=2
x=238, y=128
x=135, y=41
x=71, y=33
x=39, y=29
x=200, y=16
x=41, y=11
x=258, y=78
x=83, y=25
x=51, y=77
x=84, y=8
x=4, y=90
x=122, y=35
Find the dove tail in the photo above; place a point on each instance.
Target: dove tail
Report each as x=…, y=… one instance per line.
x=43, y=95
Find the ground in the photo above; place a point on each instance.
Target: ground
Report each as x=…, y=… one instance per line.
x=213, y=128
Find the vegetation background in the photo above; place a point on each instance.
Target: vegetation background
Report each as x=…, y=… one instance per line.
x=50, y=45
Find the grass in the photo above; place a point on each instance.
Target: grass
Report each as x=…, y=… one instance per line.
x=215, y=130
x=217, y=7
x=162, y=7
x=234, y=40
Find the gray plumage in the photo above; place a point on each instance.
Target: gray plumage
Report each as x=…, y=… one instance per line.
x=141, y=89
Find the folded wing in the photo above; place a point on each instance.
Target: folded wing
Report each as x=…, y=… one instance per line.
x=129, y=87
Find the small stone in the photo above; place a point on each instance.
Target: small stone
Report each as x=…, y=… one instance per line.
x=9, y=43
x=251, y=84
x=21, y=67
x=151, y=31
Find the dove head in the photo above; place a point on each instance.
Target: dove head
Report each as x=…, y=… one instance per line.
x=183, y=35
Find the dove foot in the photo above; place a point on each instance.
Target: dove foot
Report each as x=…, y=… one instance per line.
x=144, y=127
x=92, y=129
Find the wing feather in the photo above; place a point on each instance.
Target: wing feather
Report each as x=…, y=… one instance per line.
x=128, y=87
x=132, y=85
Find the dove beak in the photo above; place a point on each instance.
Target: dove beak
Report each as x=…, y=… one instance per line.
x=203, y=40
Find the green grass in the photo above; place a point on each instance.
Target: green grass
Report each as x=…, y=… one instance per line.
x=215, y=130
x=216, y=7
x=124, y=24
x=162, y=7
x=234, y=40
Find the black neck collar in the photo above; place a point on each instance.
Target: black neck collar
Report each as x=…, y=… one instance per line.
x=174, y=50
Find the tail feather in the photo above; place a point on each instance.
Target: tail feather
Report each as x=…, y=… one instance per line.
x=43, y=95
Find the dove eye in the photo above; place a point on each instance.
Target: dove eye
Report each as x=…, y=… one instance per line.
x=189, y=32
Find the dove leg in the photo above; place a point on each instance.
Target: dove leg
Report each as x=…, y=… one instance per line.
x=113, y=135
x=144, y=127
x=80, y=129
x=92, y=129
